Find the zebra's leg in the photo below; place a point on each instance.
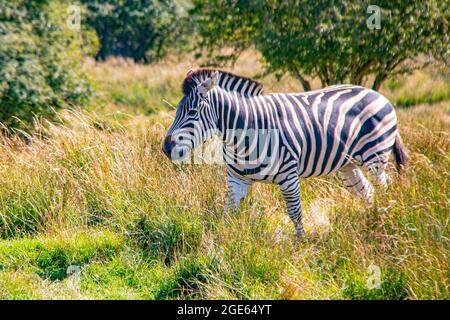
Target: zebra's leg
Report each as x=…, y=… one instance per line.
x=237, y=190
x=354, y=179
x=291, y=194
x=377, y=170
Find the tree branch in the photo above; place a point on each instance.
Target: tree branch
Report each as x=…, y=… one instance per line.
x=382, y=75
x=305, y=83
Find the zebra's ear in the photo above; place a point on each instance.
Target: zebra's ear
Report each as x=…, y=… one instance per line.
x=215, y=78
x=209, y=83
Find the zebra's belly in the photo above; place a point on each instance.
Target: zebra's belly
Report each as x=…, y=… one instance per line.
x=273, y=167
x=264, y=173
x=289, y=158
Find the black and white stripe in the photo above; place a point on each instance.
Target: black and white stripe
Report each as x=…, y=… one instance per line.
x=339, y=128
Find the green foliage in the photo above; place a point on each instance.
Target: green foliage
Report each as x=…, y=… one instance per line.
x=50, y=258
x=141, y=30
x=166, y=237
x=39, y=61
x=25, y=217
x=392, y=287
x=329, y=39
x=98, y=193
x=415, y=100
x=187, y=279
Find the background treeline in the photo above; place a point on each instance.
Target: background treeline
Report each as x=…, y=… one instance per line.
x=336, y=41
x=41, y=53
x=142, y=30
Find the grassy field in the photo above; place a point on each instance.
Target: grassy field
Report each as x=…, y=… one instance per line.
x=92, y=209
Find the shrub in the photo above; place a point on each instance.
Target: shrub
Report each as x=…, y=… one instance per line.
x=136, y=29
x=39, y=61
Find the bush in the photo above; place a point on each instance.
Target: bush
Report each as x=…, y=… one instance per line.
x=39, y=61
x=136, y=29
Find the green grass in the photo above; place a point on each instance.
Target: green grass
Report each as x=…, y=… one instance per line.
x=96, y=192
x=422, y=87
x=135, y=89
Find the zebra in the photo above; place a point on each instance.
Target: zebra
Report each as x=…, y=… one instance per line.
x=341, y=128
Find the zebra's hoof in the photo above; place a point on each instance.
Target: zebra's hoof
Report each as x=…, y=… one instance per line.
x=300, y=233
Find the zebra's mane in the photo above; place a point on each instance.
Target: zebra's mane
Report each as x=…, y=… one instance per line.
x=227, y=81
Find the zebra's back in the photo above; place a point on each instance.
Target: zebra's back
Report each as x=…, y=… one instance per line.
x=328, y=128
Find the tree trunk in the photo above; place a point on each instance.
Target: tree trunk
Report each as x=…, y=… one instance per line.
x=358, y=74
x=305, y=83
x=378, y=81
x=388, y=70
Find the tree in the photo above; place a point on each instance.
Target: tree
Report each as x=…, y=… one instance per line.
x=39, y=61
x=336, y=41
x=138, y=29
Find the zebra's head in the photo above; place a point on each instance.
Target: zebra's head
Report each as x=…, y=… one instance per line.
x=195, y=120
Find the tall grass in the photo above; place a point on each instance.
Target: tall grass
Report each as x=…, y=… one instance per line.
x=140, y=89
x=96, y=193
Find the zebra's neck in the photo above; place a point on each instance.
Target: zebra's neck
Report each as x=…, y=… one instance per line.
x=234, y=111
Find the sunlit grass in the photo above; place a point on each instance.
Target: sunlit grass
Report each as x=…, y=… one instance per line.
x=97, y=193
x=141, y=89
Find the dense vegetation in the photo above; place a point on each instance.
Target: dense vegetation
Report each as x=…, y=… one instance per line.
x=140, y=30
x=335, y=41
x=39, y=61
x=95, y=210
x=328, y=40
x=91, y=208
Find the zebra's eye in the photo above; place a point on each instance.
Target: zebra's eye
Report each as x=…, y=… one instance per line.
x=192, y=112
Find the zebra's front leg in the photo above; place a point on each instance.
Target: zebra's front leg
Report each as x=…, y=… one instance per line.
x=237, y=189
x=291, y=194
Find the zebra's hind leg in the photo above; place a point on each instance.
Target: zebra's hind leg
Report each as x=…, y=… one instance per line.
x=354, y=179
x=291, y=194
x=377, y=170
x=236, y=190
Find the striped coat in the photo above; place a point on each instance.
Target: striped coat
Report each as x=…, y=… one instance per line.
x=280, y=137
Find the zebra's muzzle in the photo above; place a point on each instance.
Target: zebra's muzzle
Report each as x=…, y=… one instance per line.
x=168, y=146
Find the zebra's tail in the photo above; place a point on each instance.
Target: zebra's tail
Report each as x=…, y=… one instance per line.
x=400, y=154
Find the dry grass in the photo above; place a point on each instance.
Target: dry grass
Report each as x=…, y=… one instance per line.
x=97, y=192
x=141, y=89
